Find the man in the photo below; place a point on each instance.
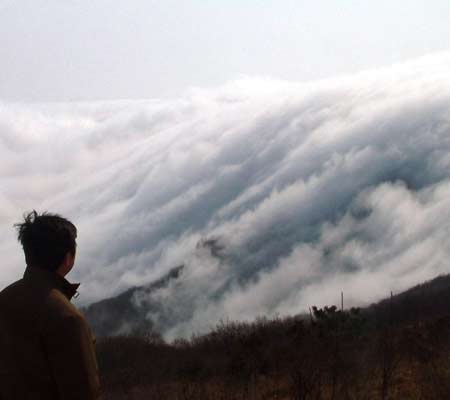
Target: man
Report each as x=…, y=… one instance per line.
x=46, y=346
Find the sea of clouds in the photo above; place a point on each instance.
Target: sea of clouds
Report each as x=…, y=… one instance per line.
x=304, y=189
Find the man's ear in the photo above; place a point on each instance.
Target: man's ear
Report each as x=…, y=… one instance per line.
x=67, y=259
x=67, y=264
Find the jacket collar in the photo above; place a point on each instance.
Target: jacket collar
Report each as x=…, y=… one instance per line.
x=52, y=279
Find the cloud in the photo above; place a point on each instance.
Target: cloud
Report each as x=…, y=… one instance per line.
x=307, y=189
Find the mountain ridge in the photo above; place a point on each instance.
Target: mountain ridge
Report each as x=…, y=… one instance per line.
x=124, y=314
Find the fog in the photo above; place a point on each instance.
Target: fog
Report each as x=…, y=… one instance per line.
x=304, y=190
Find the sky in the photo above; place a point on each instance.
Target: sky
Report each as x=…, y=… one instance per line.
x=101, y=50
x=308, y=140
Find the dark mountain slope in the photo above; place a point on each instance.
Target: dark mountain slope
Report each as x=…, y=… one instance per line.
x=122, y=314
x=428, y=300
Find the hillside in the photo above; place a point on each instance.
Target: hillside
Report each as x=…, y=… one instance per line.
x=129, y=313
x=426, y=301
x=124, y=314
x=396, y=349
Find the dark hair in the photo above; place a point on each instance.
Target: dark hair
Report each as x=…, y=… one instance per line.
x=46, y=239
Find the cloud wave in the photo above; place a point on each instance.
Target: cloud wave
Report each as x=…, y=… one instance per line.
x=304, y=190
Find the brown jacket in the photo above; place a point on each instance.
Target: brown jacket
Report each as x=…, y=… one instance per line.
x=46, y=346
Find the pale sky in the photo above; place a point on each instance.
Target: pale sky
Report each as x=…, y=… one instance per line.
x=53, y=50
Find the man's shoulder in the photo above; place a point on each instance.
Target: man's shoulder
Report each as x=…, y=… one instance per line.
x=45, y=304
x=57, y=305
x=13, y=295
x=59, y=314
x=12, y=288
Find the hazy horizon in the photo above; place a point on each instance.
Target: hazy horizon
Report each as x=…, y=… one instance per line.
x=96, y=50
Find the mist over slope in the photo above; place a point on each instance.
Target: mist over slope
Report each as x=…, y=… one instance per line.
x=273, y=195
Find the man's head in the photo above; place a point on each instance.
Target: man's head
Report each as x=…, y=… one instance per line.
x=48, y=241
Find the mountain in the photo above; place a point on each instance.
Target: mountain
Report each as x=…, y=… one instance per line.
x=128, y=314
x=124, y=314
x=428, y=300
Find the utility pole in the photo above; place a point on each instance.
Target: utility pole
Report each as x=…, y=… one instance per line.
x=342, y=301
x=390, y=309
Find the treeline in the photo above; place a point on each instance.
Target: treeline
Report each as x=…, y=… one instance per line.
x=330, y=354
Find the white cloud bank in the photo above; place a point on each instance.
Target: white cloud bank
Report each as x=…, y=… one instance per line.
x=309, y=189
